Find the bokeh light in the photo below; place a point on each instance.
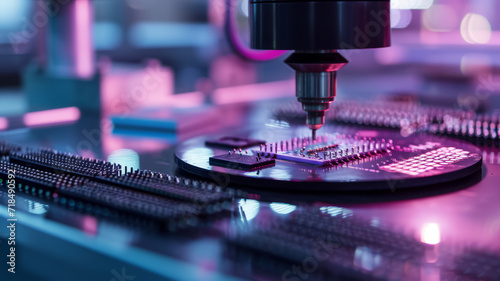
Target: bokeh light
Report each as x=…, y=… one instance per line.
x=475, y=29
x=430, y=234
x=400, y=18
x=245, y=8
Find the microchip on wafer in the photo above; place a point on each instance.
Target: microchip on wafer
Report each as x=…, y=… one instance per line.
x=241, y=161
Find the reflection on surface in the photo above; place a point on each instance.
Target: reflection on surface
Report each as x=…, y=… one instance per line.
x=336, y=211
x=198, y=153
x=367, y=259
x=125, y=157
x=248, y=209
x=281, y=175
x=282, y=208
x=37, y=208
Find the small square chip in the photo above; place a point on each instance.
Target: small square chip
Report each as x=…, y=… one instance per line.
x=234, y=142
x=240, y=161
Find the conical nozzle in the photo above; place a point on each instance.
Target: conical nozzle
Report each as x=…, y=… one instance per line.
x=315, y=119
x=316, y=83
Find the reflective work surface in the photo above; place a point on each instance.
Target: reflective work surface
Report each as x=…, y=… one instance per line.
x=271, y=235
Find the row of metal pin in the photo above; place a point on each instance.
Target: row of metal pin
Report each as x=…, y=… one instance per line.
x=71, y=180
x=143, y=177
x=236, y=151
x=458, y=122
x=338, y=156
x=359, y=150
x=353, y=109
x=145, y=174
x=70, y=162
x=66, y=157
x=42, y=176
x=356, y=151
x=302, y=143
x=67, y=178
x=292, y=144
x=477, y=130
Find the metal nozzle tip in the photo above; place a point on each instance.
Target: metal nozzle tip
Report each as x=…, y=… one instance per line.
x=315, y=119
x=313, y=134
x=314, y=126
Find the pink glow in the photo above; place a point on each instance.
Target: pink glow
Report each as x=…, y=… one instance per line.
x=430, y=234
x=83, y=39
x=51, y=117
x=254, y=92
x=4, y=123
x=90, y=225
x=186, y=100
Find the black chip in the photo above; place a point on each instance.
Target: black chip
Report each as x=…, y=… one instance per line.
x=239, y=161
x=234, y=142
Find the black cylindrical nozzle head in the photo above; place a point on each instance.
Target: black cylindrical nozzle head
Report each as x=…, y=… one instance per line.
x=319, y=24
